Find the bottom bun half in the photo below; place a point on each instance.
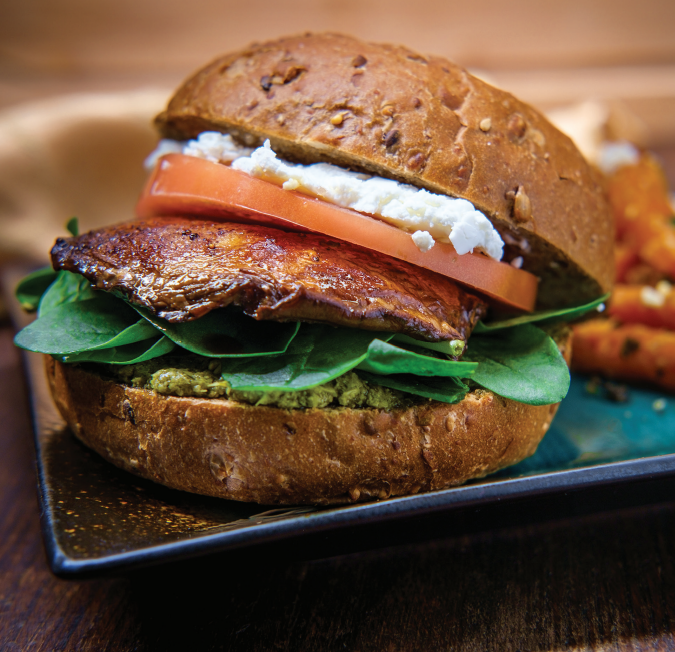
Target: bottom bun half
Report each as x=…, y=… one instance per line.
x=269, y=455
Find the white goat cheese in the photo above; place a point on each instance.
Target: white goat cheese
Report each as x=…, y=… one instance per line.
x=423, y=240
x=429, y=217
x=165, y=146
x=216, y=147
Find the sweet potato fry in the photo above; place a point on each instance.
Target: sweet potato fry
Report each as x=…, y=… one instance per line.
x=640, y=304
x=643, y=274
x=638, y=193
x=638, y=196
x=632, y=344
x=625, y=257
x=659, y=250
x=625, y=352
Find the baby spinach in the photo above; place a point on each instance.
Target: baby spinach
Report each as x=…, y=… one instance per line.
x=226, y=332
x=125, y=353
x=31, y=288
x=320, y=353
x=77, y=323
x=385, y=358
x=316, y=355
x=66, y=288
x=91, y=324
x=73, y=226
x=542, y=317
x=522, y=363
x=446, y=390
x=451, y=348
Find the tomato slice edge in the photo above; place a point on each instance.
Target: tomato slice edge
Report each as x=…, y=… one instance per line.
x=187, y=186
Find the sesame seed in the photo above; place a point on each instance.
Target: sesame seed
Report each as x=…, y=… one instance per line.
x=522, y=207
x=485, y=124
x=337, y=119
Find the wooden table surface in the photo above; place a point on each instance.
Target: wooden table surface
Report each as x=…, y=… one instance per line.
x=599, y=582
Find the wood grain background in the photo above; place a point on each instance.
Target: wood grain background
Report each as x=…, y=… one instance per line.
x=65, y=36
x=545, y=52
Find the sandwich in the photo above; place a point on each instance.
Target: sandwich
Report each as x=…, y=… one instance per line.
x=346, y=280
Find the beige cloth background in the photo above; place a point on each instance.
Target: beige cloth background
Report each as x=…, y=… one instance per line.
x=71, y=155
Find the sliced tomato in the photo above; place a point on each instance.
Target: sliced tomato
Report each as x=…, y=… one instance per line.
x=188, y=186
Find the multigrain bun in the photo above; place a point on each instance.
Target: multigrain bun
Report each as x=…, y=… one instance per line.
x=269, y=455
x=423, y=120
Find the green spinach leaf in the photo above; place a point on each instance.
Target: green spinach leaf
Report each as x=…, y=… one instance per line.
x=226, y=333
x=542, y=317
x=126, y=353
x=385, y=358
x=316, y=355
x=30, y=289
x=67, y=288
x=446, y=390
x=75, y=322
x=73, y=226
x=320, y=353
x=89, y=324
x=451, y=348
x=522, y=363
x=137, y=332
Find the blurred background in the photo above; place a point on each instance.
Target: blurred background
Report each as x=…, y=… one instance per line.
x=81, y=79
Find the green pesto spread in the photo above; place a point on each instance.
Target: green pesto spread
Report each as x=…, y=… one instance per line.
x=200, y=377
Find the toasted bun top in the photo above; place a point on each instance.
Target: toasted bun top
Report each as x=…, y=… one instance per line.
x=423, y=120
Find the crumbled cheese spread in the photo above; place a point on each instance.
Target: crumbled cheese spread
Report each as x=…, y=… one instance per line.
x=216, y=147
x=423, y=240
x=165, y=146
x=429, y=217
